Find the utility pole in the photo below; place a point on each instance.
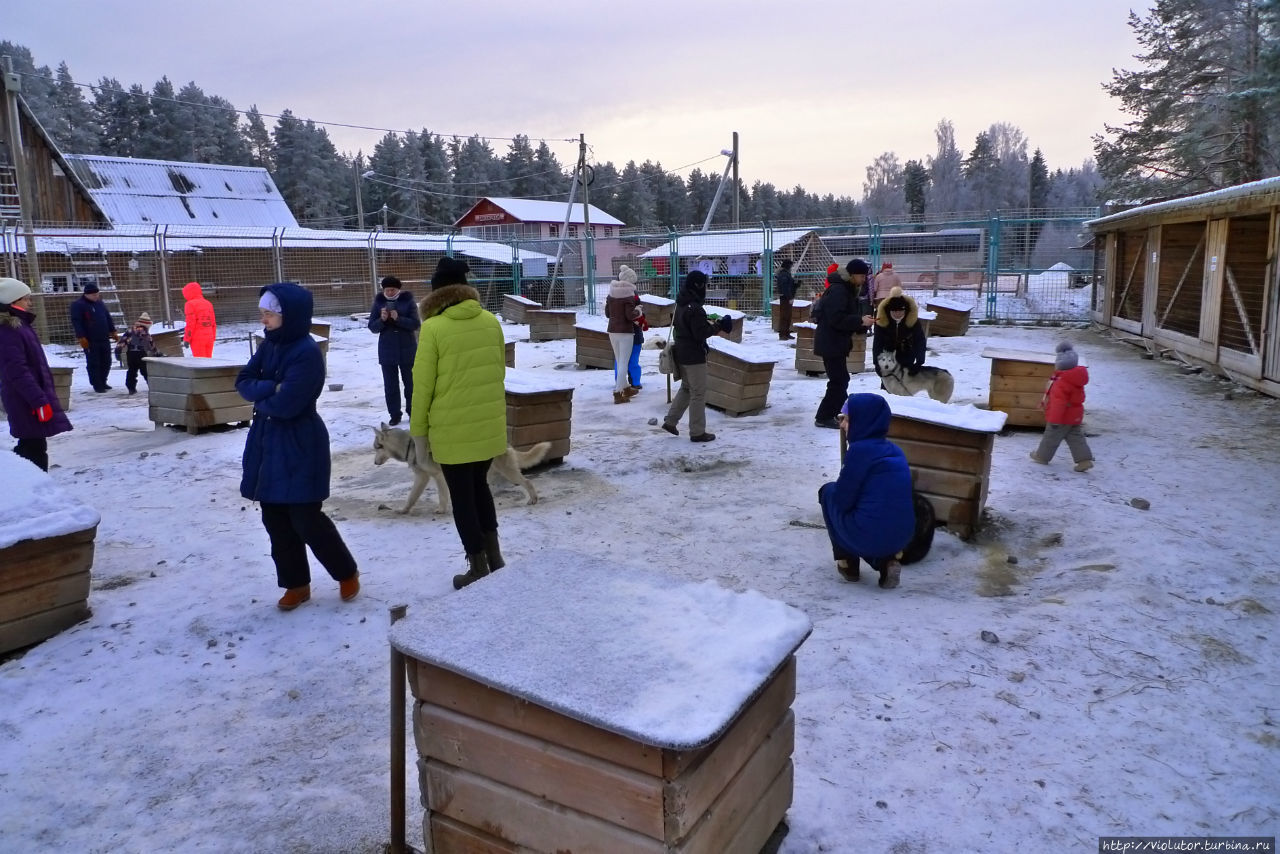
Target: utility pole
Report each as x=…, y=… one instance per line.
x=17, y=153
x=737, y=195
x=589, y=250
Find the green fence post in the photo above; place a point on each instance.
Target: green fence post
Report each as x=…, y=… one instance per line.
x=993, y=264
x=873, y=245
x=516, y=267
x=673, y=261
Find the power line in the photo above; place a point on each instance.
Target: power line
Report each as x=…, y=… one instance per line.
x=95, y=88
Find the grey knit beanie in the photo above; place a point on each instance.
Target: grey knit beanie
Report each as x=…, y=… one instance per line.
x=1067, y=358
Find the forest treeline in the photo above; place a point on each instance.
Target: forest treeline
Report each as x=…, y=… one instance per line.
x=1204, y=104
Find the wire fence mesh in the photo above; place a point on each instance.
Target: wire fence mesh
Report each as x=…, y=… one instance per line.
x=1036, y=266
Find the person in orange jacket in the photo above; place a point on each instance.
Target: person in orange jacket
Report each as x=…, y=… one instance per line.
x=202, y=326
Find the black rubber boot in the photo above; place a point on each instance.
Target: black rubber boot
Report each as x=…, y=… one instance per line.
x=478, y=564
x=492, y=552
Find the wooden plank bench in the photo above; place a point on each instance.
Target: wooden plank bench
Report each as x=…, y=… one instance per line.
x=737, y=377
x=44, y=585
x=538, y=747
x=810, y=364
x=195, y=393
x=550, y=324
x=514, y=307
x=539, y=409
x=952, y=318
x=1018, y=382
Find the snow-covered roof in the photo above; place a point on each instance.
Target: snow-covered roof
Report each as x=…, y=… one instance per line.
x=530, y=382
x=666, y=662
x=1240, y=192
x=132, y=190
x=716, y=243
x=532, y=210
x=142, y=238
x=33, y=506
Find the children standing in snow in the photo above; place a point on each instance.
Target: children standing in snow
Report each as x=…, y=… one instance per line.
x=137, y=345
x=1063, y=405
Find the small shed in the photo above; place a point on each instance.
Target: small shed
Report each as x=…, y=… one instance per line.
x=1198, y=276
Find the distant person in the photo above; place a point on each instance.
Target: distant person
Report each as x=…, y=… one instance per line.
x=460, y=408
x=137, y=346
x=840, y=314
x=95, y=330
x=394, y=317
x=201, y=325
x=623, y=310
x=690, y=331
x=786, y=295
x=1063, y=405
x=885, y=281
x=26, y=383
x=869, y=509
x=286, y=463
x=899, y=331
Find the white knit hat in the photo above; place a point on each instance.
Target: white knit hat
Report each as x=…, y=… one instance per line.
x=270, y=302
x=11, y=290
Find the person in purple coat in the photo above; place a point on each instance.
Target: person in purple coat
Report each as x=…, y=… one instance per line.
x=26, y=383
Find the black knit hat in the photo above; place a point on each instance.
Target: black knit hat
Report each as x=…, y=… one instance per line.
x=858, y=266
x=450, y=271
x=390, y=282
x=896, y=301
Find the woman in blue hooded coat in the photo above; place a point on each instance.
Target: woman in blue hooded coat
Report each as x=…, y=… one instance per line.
x=286, y=454
x=869, y=508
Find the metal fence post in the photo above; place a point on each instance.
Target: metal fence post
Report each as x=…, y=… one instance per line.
x=766, y=267
x=162, y=252
x=277, y=252
x=993, y=264
x=673, y=261
x=371, y=241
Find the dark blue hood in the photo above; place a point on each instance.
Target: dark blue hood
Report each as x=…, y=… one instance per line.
x=297, y=304
x=868, y=417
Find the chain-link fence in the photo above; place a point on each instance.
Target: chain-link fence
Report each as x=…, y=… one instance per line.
x=1036, y=266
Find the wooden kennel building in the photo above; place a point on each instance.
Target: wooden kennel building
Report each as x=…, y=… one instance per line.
x=1197, y=276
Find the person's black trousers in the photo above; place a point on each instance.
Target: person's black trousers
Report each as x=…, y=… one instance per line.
x=837, y=369
x=294, y=527
x=473, y=511
x=392, y=376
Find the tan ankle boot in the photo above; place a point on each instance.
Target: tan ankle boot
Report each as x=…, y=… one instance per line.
x=621, y=397
x=293, y=597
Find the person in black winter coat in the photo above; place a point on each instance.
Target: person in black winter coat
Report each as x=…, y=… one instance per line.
x=898, y=330
x=786, y=294
x=839, y=314
x=394, y=318
x=690, y=330
x=94, y=332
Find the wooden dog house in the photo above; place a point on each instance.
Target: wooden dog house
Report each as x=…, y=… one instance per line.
x=1018, y=382
x=514, y=307
x=593, y=349
x=539, y=410
x=540, y=744
x=737, y=377
x=550, y=324
x=195, y=393
x=809, y=363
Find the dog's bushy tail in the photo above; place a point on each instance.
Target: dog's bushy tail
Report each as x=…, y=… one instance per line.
x=532, y=456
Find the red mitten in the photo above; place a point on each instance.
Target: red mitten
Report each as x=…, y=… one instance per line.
x=644, y=324
x=43, y=413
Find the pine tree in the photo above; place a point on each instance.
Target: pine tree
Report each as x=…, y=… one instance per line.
x=258, y=140
x=980, y=174
x=882, y=192
x=946, y=181
x=1205, y=104
x=121, y=115
x=73, y=127
x=161, y=132
x=915, y=186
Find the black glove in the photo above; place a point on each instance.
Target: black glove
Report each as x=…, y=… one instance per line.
x=913, y=369
x=726, y=323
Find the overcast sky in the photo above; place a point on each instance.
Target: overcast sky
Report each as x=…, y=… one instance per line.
x=815, y=88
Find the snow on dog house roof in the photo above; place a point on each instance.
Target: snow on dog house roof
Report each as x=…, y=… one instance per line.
x=723, y=243
x=134, y=191
x=531, y=210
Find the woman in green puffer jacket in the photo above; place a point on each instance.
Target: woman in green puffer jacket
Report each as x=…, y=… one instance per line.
x=460, y=407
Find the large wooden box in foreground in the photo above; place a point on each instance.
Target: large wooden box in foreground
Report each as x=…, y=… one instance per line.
x=62, y=376
x=1018, y=382
x=808, y=362
x=539, y=410
x=737, y=377
x=949, y=449
x=44, y=577
x=195, y=393
x=539, y=746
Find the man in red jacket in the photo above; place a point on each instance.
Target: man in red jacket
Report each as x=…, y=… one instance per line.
x=202, y=326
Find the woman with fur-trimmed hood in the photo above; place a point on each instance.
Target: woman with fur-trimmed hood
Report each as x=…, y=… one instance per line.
x=459, y=413
x=899, y=331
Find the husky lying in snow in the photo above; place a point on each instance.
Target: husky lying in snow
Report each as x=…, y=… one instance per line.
x=938, y=382
x=395, y=443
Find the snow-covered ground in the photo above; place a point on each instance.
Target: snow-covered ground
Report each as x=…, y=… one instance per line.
x=1133, y=686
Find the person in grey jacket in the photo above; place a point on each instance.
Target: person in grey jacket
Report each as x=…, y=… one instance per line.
x=394, y=318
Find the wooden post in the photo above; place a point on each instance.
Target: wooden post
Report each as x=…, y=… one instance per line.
x=397, y=740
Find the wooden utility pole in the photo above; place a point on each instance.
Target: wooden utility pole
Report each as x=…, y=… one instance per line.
x=589, y=250
x=18, y=154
